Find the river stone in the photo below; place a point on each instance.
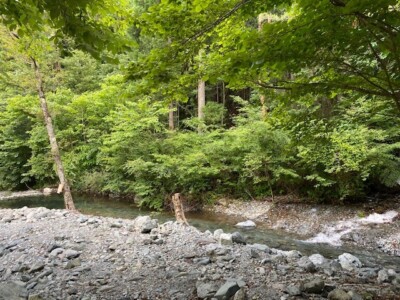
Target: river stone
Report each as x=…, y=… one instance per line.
x=227, y=290
x=349, y=262
x=225, y=238
x=292, y=254
x=69, y=253
x=386, y=275
x=317, y=259
x=12, y=291
x=217, y=233
x=145, y=224
x=237, y=238
x=38, y=266
x=261, y=247
x=293, y=290
x=240, y=295
x=246, y=224
x=306, y=264
x=205, y=290
x=338, y=294
x=355, y=296
x=315, y=286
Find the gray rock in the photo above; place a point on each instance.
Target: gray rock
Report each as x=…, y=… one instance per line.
x=69, y=253
x=293, y=290
x=73, y=263
x=261, y=247
x=205, y=290
x=338, y=294
x=56, y=252
x=116, y=225
x=315, y=286
x=240, y=295
x=246, y=224
x=349, y=262
x=317, y=259
x=292, y=254
x=385, y=275
x=367, y=273
x=306, y=264
x=145, y=224
x=225, y=238
x=254, y=254
x=12, y=291
x=38, y=266
x=217, y=233
x=34, y=297
x=238, y=238
x=202, y=261
x=227, y=290
x=355, y=296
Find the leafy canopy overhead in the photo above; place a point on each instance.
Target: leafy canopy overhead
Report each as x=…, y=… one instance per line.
x=95, y=25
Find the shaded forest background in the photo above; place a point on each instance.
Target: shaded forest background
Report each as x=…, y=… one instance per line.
x=302, y=98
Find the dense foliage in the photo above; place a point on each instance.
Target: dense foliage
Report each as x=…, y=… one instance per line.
x=329, y=72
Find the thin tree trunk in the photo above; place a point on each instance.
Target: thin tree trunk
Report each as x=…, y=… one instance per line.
x=261, y=20
x=171, y=117
x=201, y=98
x=64, y=185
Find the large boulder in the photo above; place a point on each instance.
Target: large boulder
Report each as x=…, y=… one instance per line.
x=349, y=262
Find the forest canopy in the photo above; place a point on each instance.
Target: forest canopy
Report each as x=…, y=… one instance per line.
x=246, y=99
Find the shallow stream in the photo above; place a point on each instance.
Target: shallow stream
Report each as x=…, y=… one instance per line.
x=120, y=208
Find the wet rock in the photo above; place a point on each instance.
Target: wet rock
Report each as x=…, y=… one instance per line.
x=339, y=294
x=349, y=262
x=306, y=264
x=246, y=224
x=12, y=291
x=205, y=290
x=237, y=238
x=227, y=290
x=315, y=286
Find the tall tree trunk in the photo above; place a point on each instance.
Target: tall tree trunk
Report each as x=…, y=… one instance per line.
x=201, y=98
x=64, y=185
x=171, y=117
x=261, y=19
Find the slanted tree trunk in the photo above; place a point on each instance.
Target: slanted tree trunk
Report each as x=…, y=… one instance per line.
x=178, y=208
x=64, y=185
x=201, y=98
x=171, y=117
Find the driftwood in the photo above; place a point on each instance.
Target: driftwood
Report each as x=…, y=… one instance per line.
x=178, y=208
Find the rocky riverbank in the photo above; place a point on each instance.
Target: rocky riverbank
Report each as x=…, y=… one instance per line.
x=373, y=225
x=54, y=254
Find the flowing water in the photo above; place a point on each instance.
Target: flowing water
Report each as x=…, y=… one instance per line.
x=121, y=208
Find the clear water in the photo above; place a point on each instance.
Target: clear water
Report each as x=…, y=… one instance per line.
x=121, y=208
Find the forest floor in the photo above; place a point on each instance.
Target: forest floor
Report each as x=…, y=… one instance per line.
x=56, y=254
